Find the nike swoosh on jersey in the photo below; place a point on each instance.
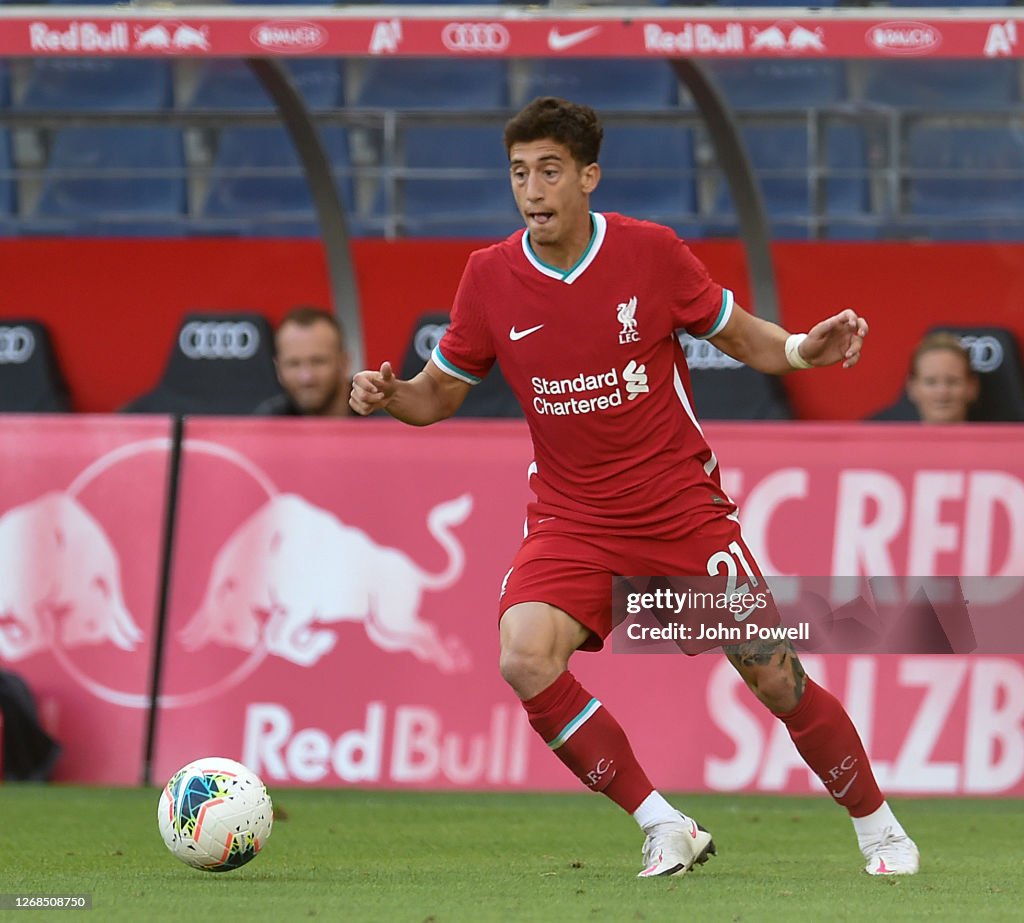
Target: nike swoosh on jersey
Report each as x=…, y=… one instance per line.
x=846, y=787
x=514, y=334
x=559, y=42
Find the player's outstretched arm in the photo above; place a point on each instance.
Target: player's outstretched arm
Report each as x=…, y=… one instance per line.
x=428, y=397
x=769, y=348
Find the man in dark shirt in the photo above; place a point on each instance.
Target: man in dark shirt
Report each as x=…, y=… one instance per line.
x=312, y=366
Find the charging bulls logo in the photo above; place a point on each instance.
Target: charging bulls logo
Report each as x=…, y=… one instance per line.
x=61, y=580
x=279, y=582
x=293, y=568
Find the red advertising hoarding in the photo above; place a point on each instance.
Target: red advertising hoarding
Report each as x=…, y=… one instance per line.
x=332, y=608
x=511, y=32
x=82, y=504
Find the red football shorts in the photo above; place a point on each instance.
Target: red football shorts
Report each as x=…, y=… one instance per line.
x=573, y=571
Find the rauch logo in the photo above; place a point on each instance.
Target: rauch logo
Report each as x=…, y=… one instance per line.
x=904, y=38
x=289, y=35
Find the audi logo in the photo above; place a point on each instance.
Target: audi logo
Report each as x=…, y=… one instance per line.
x=700, y=354
x=475, y=37
x=986, y=352
x=427, y=337
x=16, y=345
x=219, y=339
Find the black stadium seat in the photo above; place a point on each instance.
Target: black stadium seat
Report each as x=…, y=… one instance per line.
x=219, y=364
x=491, y=398
x=995, y=357
x=30, y=378
x=725, y=389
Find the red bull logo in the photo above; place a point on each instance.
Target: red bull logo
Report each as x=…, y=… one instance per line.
x=291, y=569
x=284, y=578
x=61, y=584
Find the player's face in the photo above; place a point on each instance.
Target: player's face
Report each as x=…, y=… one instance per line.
x=552, y=192
x=311, y=366
x=942, y=387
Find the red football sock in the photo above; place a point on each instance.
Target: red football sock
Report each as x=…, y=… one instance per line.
x=585, y=737
x=831, y=746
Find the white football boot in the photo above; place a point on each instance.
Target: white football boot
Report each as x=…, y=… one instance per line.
x=674, y=847
x=891, y=854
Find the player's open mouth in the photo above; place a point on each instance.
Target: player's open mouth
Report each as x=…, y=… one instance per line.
x=540, y=217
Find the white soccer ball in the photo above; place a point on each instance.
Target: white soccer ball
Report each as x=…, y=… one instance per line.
x=215, y=814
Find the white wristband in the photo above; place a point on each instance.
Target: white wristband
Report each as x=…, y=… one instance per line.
x=793, y=356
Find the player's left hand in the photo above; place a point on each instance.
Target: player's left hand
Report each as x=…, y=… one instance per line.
x=837, y=339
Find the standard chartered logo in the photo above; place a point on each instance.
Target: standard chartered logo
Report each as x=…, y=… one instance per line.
x=635, y=377
x=563, y=397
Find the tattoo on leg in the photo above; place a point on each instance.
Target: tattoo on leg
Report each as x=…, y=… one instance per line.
x=760, y=653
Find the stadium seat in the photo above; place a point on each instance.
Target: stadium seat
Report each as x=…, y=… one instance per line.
x=231, y=84
x=452, y=181
x=5, y=85
x=457, y=207
x=647, y=171
x=775, y=3
x=780, y=156
x=491, y=398
x=937, y=85
x=257, y=177
x=846, y=157
x=724, y=389
x=218, y=363
x=433, y=146
x=780, y=83
x=605, y=84
x=437, y=83
x=995, y=356
x=959, y=3
x=101, y=84
x=111, y=191
x=8, y=196
x=30, y=377
x=965, y=164
x=996, y=359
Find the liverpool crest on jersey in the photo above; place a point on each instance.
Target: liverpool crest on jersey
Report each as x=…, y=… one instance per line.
x=627, y=317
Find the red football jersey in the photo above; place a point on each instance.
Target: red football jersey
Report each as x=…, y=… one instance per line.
x=593, y=356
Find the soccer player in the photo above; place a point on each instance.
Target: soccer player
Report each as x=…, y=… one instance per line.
x=582, y=309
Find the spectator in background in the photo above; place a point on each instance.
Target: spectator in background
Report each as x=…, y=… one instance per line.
x=312, y=366
x=941, y=384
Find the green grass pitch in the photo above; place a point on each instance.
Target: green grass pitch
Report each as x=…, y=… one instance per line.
x=441, y=858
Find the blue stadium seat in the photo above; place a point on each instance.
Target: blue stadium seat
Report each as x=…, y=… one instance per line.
x=846, y=151
x=8, y=197
x=971, y=85
x=231, y=84
x=5, y=91
x=781, y=83
x=968, y=162
x=780, y=155
x=959, y=3
x=106, y=153
x=775, y=3
x=660, y=146
x=605, y=84
x=257, y=178
x=437, y=83
x=104, y=84
x=647, y=171
x=435, y=202
x=474, y=146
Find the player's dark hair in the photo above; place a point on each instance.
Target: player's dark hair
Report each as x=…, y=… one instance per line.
x=548, y=117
